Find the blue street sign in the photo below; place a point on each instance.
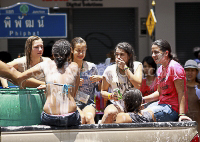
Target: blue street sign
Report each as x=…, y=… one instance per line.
x=23, y=19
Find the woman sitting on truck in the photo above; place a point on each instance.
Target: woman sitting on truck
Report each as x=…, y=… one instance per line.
x=125, y=74
x=134, y=114
x=89, y=79
x=172, y=90
x=33, y=55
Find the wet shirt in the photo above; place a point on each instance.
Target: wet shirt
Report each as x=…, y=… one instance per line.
x=145, y=117
x=166, y=78
x=88, y=87
x=22, y=67
x=117, y=80
x=147, y=90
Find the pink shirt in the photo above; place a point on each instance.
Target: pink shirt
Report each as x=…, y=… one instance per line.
x=166, y=78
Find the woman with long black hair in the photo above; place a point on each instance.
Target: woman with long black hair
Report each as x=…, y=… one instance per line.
x=125, y=74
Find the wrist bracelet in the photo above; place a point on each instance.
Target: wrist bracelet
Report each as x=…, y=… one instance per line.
x=181, y=114
x=126, y=68
x=108, y=96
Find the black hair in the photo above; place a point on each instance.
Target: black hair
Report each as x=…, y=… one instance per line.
x=151, y=62
x=132, y=100
x=164, y=46
x=196, y=51
x=61, y=51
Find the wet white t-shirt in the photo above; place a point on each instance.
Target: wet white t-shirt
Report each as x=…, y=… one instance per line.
x=22, y=67
x=117, y=80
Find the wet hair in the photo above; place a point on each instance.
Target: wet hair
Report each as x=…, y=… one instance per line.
x=132, y=100
x=130, y=51
x=61, y=51
x=174, y=57
x=164, y=46
x=28, y=49
x=151, y=62
x=196, y=51
x=75, y=41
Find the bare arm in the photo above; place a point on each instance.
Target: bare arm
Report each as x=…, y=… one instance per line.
x=32, y=82
x=4, y=82
x=136, y=78
x=104, y=88
x=152, y=97
x=179, y=84
x=27, y=74
x=11, y=64
x=11, y=73
x=123, y=118
x=77, y=84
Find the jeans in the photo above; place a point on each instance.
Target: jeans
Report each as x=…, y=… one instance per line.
x=163, y=112
x=66, y=121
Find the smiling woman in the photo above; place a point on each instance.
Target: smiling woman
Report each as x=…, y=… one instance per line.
x=33, y=55
x=89, y=79
x=172, y=91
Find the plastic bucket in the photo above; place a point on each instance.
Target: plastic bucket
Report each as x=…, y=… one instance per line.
x=21, y=107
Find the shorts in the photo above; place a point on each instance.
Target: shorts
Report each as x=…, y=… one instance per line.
x=67, y=120
x=163, y=112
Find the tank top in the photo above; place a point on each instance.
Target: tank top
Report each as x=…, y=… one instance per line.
x=145, y=117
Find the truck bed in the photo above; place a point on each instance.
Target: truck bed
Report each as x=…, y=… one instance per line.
x=127, y=132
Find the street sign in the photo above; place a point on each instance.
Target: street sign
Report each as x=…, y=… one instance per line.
x=23, y=19
x=151, y=22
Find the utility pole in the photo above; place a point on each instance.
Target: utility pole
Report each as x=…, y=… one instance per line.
x=153, y=37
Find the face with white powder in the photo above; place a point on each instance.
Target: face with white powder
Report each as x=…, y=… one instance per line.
x=157, y=54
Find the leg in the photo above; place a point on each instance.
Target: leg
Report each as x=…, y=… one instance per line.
x=163, y=113
x=110, y=114
x=89, y=113
x=82, y=115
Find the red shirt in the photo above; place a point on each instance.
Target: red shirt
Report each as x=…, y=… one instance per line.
x=166, y=78
x=147, y=90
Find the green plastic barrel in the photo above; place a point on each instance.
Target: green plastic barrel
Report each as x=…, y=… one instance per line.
x=21, y=107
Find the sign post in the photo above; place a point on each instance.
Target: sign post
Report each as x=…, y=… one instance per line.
x=23, y=19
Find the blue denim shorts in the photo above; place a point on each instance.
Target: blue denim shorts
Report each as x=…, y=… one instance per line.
x=63, y=121
x=163, y=112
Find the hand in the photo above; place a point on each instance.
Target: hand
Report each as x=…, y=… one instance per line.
x=95, y=78
x=115, y=96
x=183, y=117
x=81, y=81
x=120, y=63
x=41, y=87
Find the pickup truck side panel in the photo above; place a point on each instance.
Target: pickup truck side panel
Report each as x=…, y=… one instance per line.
x=141, y=132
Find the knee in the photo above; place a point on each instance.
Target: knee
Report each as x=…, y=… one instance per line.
x=111, y=110
x=89, y=117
